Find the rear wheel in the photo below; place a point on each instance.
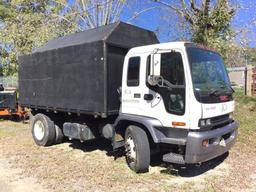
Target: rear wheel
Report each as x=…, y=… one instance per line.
x=43, y=130
x=59, y=135
x=137, y=149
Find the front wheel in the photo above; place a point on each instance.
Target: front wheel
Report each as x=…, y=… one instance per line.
x=137, y=149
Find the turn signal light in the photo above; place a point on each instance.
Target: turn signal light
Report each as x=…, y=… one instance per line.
x=181, y=124
x=205, y=143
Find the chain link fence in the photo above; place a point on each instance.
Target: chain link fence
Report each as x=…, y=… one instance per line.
x=9, y=82
x=244, y=77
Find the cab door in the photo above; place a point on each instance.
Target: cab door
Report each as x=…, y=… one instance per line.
x=168, y=103
x=131, y=86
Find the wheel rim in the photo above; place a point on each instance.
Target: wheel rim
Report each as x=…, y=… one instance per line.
x=39, y=130
x=130, y=150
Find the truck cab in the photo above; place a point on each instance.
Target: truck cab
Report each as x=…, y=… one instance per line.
x=180, y=95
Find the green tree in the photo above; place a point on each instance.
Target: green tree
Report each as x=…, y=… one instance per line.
x=208, y=20
x=26, y=25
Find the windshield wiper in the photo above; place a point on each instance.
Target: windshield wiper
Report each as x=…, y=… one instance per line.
x=233, y=91
x=217, y=92
x=214, y=92
x=224, y=85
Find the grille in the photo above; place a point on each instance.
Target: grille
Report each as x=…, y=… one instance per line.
x=220, y=119
x=220, y=125
x=217, y=122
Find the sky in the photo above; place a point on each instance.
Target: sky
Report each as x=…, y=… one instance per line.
x=167, y=29
x=244, y=18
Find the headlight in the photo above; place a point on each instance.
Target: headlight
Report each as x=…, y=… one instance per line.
x=231, y=116
x=208, y=122
x=204, y=122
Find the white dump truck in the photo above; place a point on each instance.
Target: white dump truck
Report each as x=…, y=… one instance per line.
x=118, y=82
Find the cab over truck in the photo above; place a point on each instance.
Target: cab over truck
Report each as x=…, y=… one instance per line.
x=118, y=82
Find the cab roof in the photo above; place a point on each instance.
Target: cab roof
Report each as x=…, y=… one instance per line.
x=151, y=48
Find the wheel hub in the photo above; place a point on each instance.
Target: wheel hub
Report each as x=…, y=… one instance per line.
x=130, y=148
x=39, y=130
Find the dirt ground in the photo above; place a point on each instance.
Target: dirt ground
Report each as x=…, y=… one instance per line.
x=91, y=166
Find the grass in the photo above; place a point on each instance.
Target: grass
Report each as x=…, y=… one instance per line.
x=245, y=114
x=7, y=133
x=241, y=98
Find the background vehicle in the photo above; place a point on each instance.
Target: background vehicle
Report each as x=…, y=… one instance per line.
x=173, y=96
x=9, y=107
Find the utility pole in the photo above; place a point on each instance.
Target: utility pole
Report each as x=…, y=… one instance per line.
x=245, y=74
x=97, y=13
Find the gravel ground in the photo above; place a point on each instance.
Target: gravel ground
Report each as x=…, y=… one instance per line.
x=91, y=166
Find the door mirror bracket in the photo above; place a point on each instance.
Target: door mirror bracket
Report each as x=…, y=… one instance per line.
x=153, y=80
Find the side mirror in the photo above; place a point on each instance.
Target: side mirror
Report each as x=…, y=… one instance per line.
x=155, y=64
x=155, y=69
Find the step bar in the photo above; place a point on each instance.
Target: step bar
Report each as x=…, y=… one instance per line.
x=174, y=158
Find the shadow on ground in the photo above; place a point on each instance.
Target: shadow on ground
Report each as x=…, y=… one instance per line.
x=88, y=146
x=14, y=118
x=156, y=160
x=97, y=144
x=189, y=170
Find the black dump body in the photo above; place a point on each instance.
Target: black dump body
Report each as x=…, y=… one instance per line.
x=80, y=72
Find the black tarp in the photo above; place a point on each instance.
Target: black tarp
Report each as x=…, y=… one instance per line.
x=80, y=72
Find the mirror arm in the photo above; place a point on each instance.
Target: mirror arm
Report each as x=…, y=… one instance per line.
x=160, y=81
x=155, y=51
x=152, y=65
x=153, y=80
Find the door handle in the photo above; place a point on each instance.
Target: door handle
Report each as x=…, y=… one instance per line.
x=148, y=97
x=136, y=95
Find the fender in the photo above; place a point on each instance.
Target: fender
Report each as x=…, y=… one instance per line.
x=149, y=123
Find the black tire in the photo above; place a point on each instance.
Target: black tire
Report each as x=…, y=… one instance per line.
x=59, y=135
x=142, y=149
x=31, y=120
x=48, y=133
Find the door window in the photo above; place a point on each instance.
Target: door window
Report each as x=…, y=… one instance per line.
x=172, y=70
x=133, y=74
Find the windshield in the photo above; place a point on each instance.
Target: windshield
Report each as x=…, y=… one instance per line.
x=208, y=71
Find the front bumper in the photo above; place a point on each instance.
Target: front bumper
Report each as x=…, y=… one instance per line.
x=221, y=140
